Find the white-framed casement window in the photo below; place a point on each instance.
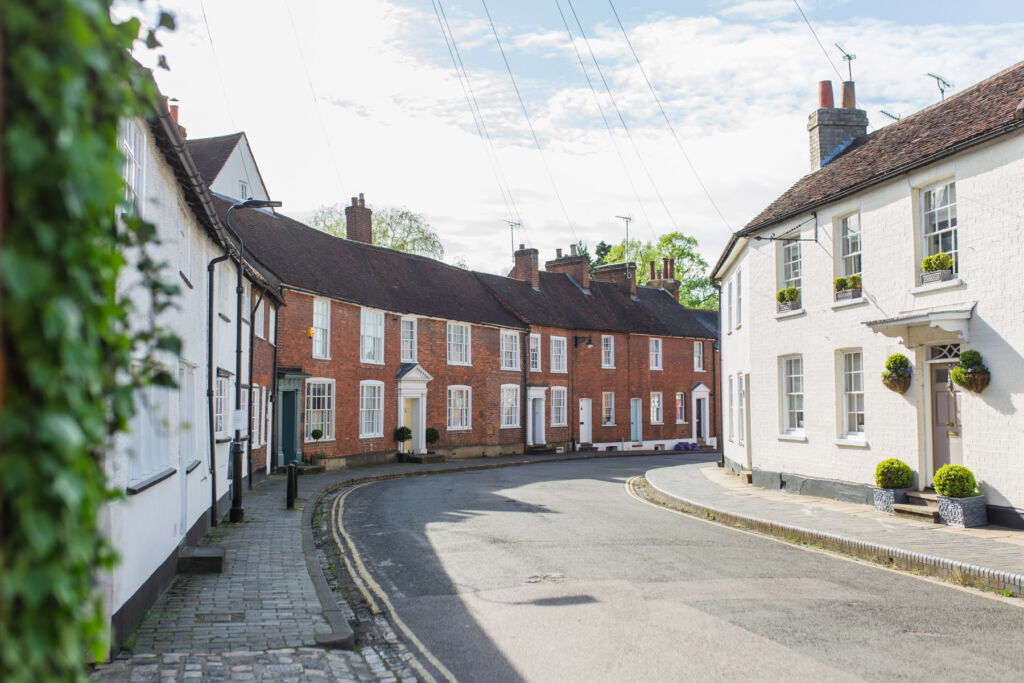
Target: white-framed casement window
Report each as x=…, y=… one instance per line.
x=321, y=328
x=607, y=408
x=607, y=351
x=371, y=336
x=655, y=349
x=151, y=433
x=254, y=422
x=460, y=407
x=558, y=403
x=535, y=359
x=459, y=352
x=938, y=222
x=189, y=430
x=698, y=356
x=849, y=245
x=656, y=408
x=680, y=407
x=741, y=415
x=790, y=263
x=509, y=350
x=792, y=368
x=243, y=190
x=409, y=340
x=739, y=298
x=509, y=405
x=853, y=394
x=220, y=404
x=133, y=143
x=272, y=325
x=320, y=408
x=371, y=409
x=732, y=413
x=258, y=318
x=728, y=306
x=558, y=346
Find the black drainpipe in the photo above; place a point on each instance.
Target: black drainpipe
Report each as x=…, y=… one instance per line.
x=209, y=393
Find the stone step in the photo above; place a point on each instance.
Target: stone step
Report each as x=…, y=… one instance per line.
x=747, y=477
x=926, y=498
x=540, y=448
x=587, y=447
x=310, y=469
x=203, y=559
x=423, y=458
x=919, y=512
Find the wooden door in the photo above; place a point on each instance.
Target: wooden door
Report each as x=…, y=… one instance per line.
x=635, y=415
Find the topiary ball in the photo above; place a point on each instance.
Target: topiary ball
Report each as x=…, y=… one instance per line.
x=955, y=481
x=893, y=474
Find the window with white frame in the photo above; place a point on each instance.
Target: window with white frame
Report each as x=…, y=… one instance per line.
x=133, y=142
x=607, y=351
x=151, y=433
x=558, y=346
x=656, y=409
x=254, y=422
x=790, y=263
x=608, y=408
x=258, y=317
x=371, y=336
x=320, y=408
x=408, y=340
x=243, y=190
x=732, y=414
x=698, y=356
x=460, y=407
x=853, y=394
x=509, y=350
x=243, y=409
x=680, y=407
x=793, y=394
x=655, y=349
x=558, y=401
x=535, y=359
x=188, y=429
x=371, y=409
x=741, y=420
x=728, y=306
x=459, y=344
x=267, y=405
x=739, y=298
x=509, y=405
x=849, y=245
x=272, y=325
x=321, y=328
x=938, y=222
x=246, y=300
x=220, y=399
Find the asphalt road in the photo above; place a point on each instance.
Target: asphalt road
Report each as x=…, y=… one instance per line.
x=553, y=573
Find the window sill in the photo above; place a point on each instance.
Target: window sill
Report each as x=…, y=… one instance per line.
x=224, y=317
x=790, y=314
x=409, y=360
x=509, y=426
x=321, y=357
x=797, y=438
x=607, y=367
x=152, y=480
x=560, y=424
x=466, y=365
x=192, y=465
x=504, y=369
x=559, y=372
x=328, y=440
x=658, y=369
x=361, y=436
x=699, y=370
x=738, y=326
x=936, y=286
x=682, y=422
x=849, y=442
x=607, y=424
x=459, y=429
x=848, y=303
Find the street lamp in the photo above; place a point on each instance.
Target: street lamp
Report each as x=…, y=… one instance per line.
x=237, y=511
x=578, y=338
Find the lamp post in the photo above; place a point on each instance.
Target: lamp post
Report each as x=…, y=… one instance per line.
x=237, y=511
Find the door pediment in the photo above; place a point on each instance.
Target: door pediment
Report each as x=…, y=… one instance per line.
x=412, y=372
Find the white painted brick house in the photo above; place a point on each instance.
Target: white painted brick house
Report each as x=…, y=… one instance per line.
x=803, y=402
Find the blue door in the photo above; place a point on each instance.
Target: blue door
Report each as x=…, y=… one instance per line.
x=635, y=412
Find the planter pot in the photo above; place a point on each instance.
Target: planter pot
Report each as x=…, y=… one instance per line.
x=788, y=306
x=402, y=457
x=977, y=382
x=963, y=512
x=848, y=294
x=936, y=276
x=897, y=384
x=884, y=498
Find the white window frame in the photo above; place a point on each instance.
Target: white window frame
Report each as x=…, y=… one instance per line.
x=559, y=400
x=187, y=423
x=150, y=433
x=852, y=393
x=657, y=409
x=272, y=325
x=243, y=190
x=246, y=301
x=949, y=207
x=850, y=245
x=258, y=318
x=509, y=412
x=221, y=389
x=792, y=386
x=558, y=359
x=133, y=145
x=322, y=328
x=728, y=321
x=698, y=356
x=371, y=336
x=739, y=299
x=364, y=410
x=608, y=351
x=254, y=422
x=454, y=345
x=267, y=407
x=453, y=390
x=792, y=263
x=327, y=424
x=536, y=364
x=741, y=421
x=732, y=413
x=654, y=345
x=680, y=407
x=509, y=347
x=607, y=408
x=409, y=344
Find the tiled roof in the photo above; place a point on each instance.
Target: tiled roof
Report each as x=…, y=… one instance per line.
x=970, y=117
x=210, y=154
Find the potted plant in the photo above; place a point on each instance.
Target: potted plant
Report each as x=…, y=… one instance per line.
x=316, y=435
x=402, y=436
x=937, y=268
x=431, y=436
x=971, y=373
x=847, y=287
x=897, y=373
x=789, y=299
x=960, y=502
x=893, y=478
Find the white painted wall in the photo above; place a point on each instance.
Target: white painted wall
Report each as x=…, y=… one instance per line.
x=990, y=203
x=239, y=167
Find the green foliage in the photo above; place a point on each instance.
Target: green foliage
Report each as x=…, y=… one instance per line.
x=695, y=288
x=854, y=281
x=316, y=434
x=601, y=251
x=780, y=296
x=71, y=364
x=893, y=474
x=789, y=294
x=955, y=481
x=432, y=435
x=398, y=229
x=403, y=434
x=841, y=284
x=940, y=261
x=897, y=365
x=970, y=365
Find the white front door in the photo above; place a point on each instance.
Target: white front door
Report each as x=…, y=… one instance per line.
x=585, y=431
x=538, y=421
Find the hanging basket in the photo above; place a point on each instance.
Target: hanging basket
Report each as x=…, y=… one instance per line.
x=976, y=382
x=897, y=384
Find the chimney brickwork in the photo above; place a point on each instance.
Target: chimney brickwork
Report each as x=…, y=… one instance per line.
x=359, y=221
x=527, y=267
x=622, y=275
x=575, y=266
x=831, y=129
x=664, y=279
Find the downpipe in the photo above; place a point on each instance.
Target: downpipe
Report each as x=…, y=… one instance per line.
x=210, y=268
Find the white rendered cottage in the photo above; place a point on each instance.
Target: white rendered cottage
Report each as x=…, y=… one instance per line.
x=803, y=403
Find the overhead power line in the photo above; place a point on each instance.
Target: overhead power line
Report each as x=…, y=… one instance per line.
x=671, y=128
x=814, y=33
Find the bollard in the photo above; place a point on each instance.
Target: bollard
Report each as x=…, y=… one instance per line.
x=237, y=511
x=290, y=485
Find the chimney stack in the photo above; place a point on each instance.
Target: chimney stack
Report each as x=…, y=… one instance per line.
x=558, y=253
x=526, y=268
x=359, y=221
x=664, y=278
x=652, y=277
x=672, y=268
x=622, y=275
x=832, y=128
x=575, y=265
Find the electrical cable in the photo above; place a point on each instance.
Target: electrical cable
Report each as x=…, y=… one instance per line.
x=813, y=33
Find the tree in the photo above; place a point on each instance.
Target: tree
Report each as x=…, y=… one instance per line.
x=600, y=251
x=398, y=229
x=695, y=288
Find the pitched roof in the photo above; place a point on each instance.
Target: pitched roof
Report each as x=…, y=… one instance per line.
x=969, y=118
x=210, y=154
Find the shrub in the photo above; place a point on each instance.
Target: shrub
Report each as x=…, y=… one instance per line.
x=940, y=261
x=403, y=434
x=897, y=365
x=893, y=474
x=854, y=281
x=432, y=435
x=841, y=284
x=970, y=365
x=792, y=294
x=955, y=481
x=780, y=296
x=316, y=434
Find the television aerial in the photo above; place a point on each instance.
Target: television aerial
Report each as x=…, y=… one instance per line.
x=848, y=58
x=942, y=83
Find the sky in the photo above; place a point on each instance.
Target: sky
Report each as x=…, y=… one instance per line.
x=342, y=98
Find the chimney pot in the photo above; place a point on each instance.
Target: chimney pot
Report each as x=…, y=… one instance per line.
x=825, y=100
x=522, y=246
x=174, y=113
x=572, y=249
x=672, y=268
x=652, y=270
x=355, y=202
x=849, y=98
x=359, y=221
x=362, y=202
x=558, y=253
x=664, y=267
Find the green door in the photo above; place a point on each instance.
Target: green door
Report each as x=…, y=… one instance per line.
x=288, y=427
